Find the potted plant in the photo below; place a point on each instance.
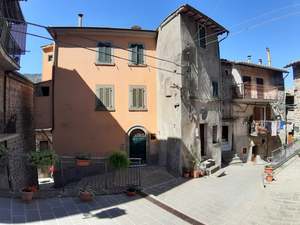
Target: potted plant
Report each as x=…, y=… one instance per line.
x=41, y=159
x=195, y=161
x=269, y=177
x=268, y=169
x=86, y=194
x=3, y=154
x=131, y=191
x=27, y=193
x=119, y=160
x=186, y=172
x=83, y=159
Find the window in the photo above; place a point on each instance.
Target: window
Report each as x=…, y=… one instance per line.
x=215, y=134
x=137, y=98
x=224, y=133
x=105, y=97
x=201, y=36
x=42, y=91
x=136, y=54
x=259, y=81
x=246, y=79
x=50, y=58
x=104, y=53
x=215, y=87
x=259, y=113
x=44, y=145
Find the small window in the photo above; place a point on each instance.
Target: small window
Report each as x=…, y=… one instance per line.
x=137, y=54
x=247, y=79
x=138, y=98
x=215, y=87
x=259, y=81
x=224, y=133
x=201, y=36
x=44, y=145
x=215, y=134
x=50, y=58
x=105, y=98
x=42, y=91
x=104, y=53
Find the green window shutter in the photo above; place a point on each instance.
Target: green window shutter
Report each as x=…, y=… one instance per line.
x=134, y=98
x=140, y=98
x=140, y=54
x=101, y=56
x=134, y=54
x=108, y=55
x=105, y=98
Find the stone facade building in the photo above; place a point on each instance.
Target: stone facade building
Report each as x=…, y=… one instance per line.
x=16, y=102
x=189, y=106
x=253, y=110
x=295, y=114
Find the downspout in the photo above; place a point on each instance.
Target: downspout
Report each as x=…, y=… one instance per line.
x=4, y=99
x=53, y=81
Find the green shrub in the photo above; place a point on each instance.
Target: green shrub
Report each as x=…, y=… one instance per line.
x=3, y=153
x=42, y=158
x=119, y=160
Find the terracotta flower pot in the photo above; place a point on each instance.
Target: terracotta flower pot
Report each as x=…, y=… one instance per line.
x=130, y=193
x=268, y=170
x=83, y=162
x=269, y=178
x=85, y=196
x=195, y=174
x=27, y=195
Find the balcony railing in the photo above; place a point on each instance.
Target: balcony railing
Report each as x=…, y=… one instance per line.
x=260, y=92
x=8, y=42
x=265, y=127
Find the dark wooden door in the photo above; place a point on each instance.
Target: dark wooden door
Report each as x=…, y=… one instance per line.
x=138, y=144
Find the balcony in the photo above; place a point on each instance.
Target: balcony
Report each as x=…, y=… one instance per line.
x=10, y=50
x=254, y=93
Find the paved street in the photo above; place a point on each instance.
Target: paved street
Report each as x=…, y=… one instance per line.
x=237, y=198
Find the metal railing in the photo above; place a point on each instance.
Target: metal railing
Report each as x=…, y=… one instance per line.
x=283, y=154
x=99, y=176
x=8, y=42
x=249, y=91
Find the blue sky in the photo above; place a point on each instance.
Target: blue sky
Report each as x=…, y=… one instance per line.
x=254, y=25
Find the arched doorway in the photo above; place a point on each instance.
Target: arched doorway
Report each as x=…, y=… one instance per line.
x=138, y=144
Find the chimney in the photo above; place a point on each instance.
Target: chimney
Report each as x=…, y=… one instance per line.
x=249, y=58
x=260, y=61
x=80, y=16
x=269, y=57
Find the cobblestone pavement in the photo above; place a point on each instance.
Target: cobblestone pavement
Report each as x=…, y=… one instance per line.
x=236, y=198
x=239, y=197
x=106, y=210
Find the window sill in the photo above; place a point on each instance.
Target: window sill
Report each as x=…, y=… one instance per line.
x=105, y=110
x=137, y=65
x=138, y=110
x=105, y=64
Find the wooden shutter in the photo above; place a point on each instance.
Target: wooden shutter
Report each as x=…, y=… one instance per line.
x=101, y=54
x=140, y=54
x=108, y=55
x=137, y=98
x=134, y=54
x=105, y=98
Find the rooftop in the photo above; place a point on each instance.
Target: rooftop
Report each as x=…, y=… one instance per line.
x=255, y=65
x=292, y=64
x=198, y=17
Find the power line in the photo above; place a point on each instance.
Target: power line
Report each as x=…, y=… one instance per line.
x=93, y=50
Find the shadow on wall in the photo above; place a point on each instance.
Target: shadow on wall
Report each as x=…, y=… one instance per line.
x=78, y=126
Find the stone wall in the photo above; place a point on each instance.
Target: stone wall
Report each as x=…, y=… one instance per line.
x=19, y=108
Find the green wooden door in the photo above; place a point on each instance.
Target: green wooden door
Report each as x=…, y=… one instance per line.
x=138, y=145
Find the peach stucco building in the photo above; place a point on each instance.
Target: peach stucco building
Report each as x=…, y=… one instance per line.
x=79, y=77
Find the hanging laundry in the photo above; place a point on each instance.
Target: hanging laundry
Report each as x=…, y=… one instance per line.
x=274, y=128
